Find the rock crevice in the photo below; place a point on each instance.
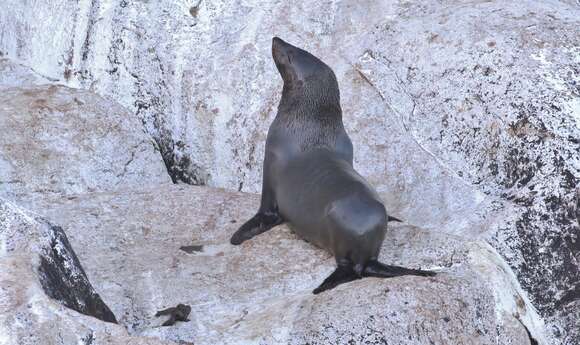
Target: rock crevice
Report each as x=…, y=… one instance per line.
x=63, y=278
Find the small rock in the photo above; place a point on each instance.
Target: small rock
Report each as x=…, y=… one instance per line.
x=179, y=313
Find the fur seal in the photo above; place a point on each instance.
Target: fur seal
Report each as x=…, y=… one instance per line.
x=309, y=180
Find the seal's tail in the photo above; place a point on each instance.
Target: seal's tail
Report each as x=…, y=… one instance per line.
x=393, y=219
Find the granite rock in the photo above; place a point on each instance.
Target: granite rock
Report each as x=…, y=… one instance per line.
x=59, y=140
x=149, y=249
x=45, y=296
x=465, y=116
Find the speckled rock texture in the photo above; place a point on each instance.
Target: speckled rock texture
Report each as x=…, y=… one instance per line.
x=58, y=140
x=260, y=292
x=147, y=249
x=464, y=115
x=44, y=289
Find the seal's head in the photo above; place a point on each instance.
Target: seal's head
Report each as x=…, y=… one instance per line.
x=303, y=73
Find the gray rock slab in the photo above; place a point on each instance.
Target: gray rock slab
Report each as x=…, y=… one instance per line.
x=58, y=140
x=14, y=74
x=495, y=98
x=130, y=243
x=45, y=297
x=464, y=115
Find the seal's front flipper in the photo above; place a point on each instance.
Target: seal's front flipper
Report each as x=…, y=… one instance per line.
x=380, y=270
x=258, y=224
x=342, y=274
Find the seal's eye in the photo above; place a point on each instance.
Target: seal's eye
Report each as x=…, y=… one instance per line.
x=290, y=58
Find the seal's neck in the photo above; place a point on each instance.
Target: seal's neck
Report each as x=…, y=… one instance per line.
x=320, y=105
x=312, y=121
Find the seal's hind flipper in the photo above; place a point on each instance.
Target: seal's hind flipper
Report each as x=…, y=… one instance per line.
x=380, y=270
x=342, y=274
x=258, y=224
x=394, y=219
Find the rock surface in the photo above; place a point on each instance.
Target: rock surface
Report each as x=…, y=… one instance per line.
x=153, y=248
x=260, y=292
x=464, y=115
x=36, y=261
x=497, y=99
x=62, y=277
x=58, y=140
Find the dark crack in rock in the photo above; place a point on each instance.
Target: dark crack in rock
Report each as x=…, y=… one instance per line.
x=192, y=248
x=63, y=279
x=179, y=165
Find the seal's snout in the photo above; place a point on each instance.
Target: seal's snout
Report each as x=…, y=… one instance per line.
x=281, y=56
x=278, y=47
x=279, y=43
